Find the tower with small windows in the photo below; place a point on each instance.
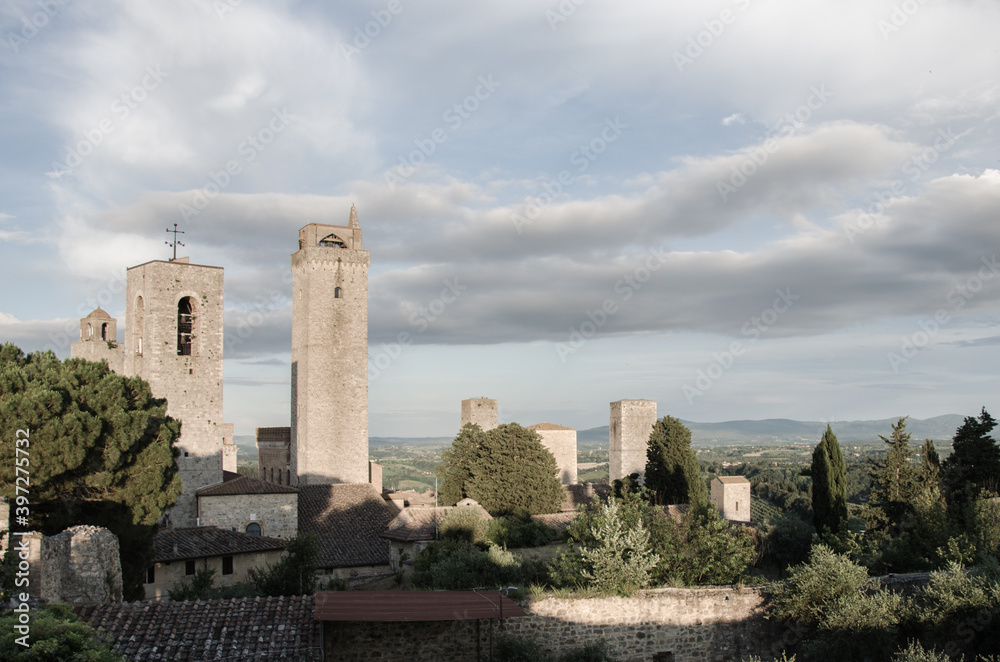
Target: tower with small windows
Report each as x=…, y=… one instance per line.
x=329, y=400
x=173, y=340
x=99, y=340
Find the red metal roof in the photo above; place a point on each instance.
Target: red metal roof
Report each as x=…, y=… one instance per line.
x=413, y=605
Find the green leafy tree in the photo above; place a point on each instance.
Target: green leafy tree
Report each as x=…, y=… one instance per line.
x=56, y=635
x=101, y=451
x=974, y=463
x=620, y=561
x=293, y=574
x=702, y=548
x=829, y=492
x=456, y=468
x=507, y=470
x=672, y=472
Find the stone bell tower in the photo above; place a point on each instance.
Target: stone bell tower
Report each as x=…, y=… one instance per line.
x=173, y=340
x=329, y=432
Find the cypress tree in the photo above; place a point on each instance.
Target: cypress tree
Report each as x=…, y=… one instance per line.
x=893, y=481
x=672, y=472
x=974, y=463
x=829, y=474
x=456, y=469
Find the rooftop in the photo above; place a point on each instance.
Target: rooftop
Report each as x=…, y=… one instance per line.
x=548, y=426
x=202, y=541
x=413, y=524
x=237, y=484
x=348, y=521
x=258, y=629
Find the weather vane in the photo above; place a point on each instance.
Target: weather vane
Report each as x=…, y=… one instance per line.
x=174, y=243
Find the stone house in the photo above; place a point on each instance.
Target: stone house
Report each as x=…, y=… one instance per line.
x=179, y=553
x=731, y=495
x=252, y=506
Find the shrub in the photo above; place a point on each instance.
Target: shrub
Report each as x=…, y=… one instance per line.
x=519, y=532
x=621, y=559
x=598, y=651
x=56, y=636
x=811, y=589
x=449, y=565
x=293, y=574
x=511, y=648
x=463, y=524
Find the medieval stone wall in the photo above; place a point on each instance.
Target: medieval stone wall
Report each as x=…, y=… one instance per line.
x=630, y=423
x=329, y=431
x=682, y=625
x=277, y=514
x=192, y=384
x=80, y=566
x=480, y=411
x=561, y=442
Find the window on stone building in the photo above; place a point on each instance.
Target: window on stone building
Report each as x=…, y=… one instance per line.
x=90, y=330
x=140, y=311
x=189, y=567
x=664, y=657
x=737, y=506
x=253, y=529
x=151, y=574
x=332, y=241
x=185, y=326
x=336, y=293
x=227, y=565
x=104, y=331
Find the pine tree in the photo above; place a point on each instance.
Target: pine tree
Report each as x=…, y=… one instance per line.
x=893, y=481
x=672, y=472
x=829, y=492
x=974, y=463
x=456, y=469
x=101, y=451
x=507, y=470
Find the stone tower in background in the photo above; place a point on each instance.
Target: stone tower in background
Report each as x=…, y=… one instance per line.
x=329, y=431
x=99, y=340
x=628, y=432
x=173, y=340
x=481, y=411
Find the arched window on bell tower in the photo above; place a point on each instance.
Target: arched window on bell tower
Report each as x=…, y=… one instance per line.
x=185, y=326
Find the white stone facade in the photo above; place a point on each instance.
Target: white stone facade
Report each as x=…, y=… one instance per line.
x=182, y=364
x=731, y=495
x=629, y=428
x=329, y=431
x=481, y=411
x=167, y=575
x=561, y=442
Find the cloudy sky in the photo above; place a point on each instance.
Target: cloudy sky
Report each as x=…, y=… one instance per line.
x=738, y=208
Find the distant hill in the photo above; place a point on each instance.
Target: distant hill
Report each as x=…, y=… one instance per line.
x=409, y=441
x=784, y=431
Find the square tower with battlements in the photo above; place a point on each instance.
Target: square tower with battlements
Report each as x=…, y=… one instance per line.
x=481, y=411
x=173, y=340
x=628, y=437
x=329, y=431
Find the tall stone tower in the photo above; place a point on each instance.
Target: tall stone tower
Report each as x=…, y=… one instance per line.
x=99, y=340
x=481, y=411
x=329, y=435
x=173, y=340
x=628, y=431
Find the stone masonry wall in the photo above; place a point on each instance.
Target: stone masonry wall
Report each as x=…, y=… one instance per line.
x=277, y=514
x=80, y=566
x=694, y=625
x=481, y=411
x=191, y=384
x=630, y=423
x=732, y=499
x=561, y=442
x=329, y=431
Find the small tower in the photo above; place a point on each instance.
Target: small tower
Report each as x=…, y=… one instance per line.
x=99, y=340
x=481, y=411
x=731, y=495
x=628, y=437
x=329, y=431
x=173, y=340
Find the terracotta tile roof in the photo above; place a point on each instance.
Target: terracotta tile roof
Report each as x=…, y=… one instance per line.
x=244, y=485
x=577, y=495
x=558, y=521
x=548, y=426
x=252, y=629
x=347, y=520
x=412, y=498
x=413, y=524
x=732, y=479
x=198, y=542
